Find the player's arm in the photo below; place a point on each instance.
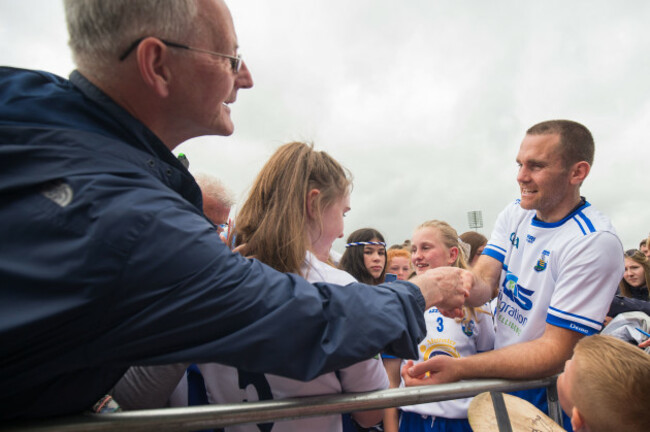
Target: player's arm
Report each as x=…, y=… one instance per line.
x=485, y=287
x=528, y=360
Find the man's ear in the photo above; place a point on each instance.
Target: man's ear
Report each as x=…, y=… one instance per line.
x=577, y=422
x=579, y=172
x=152, y=56
x=312, y=207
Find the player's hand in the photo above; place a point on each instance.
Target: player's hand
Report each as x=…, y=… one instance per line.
x=436, y=370
x=645, y=344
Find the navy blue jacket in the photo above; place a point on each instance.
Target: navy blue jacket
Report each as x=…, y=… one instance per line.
x=107, y=261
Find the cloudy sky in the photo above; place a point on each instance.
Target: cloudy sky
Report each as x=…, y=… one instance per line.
x=426, y=102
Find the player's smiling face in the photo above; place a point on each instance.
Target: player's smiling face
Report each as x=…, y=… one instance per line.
x=543, y=178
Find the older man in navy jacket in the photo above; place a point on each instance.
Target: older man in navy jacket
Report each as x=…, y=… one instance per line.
x=106, y=259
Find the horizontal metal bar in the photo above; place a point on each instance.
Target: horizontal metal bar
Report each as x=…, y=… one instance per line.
x=200, y=417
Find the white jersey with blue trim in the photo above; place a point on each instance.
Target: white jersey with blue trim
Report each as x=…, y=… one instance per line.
x=563, y=273
x=448, y=337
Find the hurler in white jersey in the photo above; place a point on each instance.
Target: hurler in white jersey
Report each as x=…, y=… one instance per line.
x=548, y=269
x=553, y=261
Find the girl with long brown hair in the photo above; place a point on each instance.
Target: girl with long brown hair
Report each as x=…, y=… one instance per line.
x=293, y=213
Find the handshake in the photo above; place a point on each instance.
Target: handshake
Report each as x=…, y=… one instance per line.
x=449, y=289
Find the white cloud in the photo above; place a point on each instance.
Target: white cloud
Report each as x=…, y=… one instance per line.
x=425, y=101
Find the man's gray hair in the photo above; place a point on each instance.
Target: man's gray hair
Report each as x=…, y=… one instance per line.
x=100, y=30
x=214, y=188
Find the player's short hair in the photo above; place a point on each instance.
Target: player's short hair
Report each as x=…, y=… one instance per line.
x=576, y=142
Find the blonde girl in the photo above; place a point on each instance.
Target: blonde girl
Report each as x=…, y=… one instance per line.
x=436, y=244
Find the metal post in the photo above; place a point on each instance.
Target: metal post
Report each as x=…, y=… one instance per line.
x=554, y=408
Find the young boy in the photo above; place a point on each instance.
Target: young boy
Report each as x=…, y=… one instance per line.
x=606, y=386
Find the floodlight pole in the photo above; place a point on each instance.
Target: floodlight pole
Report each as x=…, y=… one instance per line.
x=475, y=219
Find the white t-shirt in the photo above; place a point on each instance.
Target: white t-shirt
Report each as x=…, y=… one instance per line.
x=446, y=336
x=563, y=273
x=226, y=384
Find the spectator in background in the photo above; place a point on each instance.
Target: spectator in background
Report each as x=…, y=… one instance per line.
x=636, y=277
x=365, y=256
x=436, y=244
x=399, y=263
x=605, y=386
x=217, y=200
x=643, y=247
x=477, y=242
x=632, y=294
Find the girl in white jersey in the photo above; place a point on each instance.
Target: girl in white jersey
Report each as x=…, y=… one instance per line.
x=293, y=214
x=436, y=244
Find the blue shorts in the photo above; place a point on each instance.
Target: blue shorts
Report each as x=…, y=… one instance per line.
x=413, y=422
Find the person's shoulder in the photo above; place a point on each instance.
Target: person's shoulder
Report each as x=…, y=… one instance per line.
x=589, y=234
x=594, y=220
x=8, y=72
x=587, y=225
x=318, y=271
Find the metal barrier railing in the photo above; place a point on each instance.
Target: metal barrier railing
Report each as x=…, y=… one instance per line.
x=212, y=416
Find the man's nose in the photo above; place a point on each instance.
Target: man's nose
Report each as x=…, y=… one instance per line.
x=523, y=175
x=244, y=78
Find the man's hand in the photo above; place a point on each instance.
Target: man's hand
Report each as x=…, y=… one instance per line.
x=445, y=287
x=437, y=370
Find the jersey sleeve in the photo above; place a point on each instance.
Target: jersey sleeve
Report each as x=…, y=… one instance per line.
x=497, y=246
x=586, y=283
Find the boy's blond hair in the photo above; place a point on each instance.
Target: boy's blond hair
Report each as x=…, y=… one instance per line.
x=611, y=386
